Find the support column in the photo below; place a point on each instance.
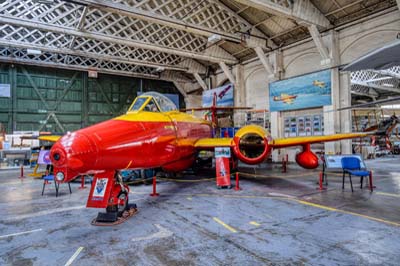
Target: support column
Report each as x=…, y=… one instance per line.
x=239, y=94
x=276, y=132
x=345, y=115
x=12, y=119
x=85, y=100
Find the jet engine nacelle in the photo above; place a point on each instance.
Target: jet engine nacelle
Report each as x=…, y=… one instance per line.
x=307, y=159
x=251, y=144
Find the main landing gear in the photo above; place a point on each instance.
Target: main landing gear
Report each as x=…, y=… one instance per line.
x=115, y=200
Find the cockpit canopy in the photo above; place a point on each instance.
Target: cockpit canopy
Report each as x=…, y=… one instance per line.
x=152, y=102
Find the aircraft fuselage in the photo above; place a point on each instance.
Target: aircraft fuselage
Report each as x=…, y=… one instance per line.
x=131, y=141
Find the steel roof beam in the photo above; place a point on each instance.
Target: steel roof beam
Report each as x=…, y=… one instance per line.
x=200, y=81
x=152, y=17
x=89, y=54
x=102, y=37
x=300, y=10
x=375, y=86
x=33, y=62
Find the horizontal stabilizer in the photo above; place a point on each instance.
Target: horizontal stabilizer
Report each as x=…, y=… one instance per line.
x=50, y=138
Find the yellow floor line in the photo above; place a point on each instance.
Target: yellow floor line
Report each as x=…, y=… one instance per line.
x=230, y=228
x=254, y=223
x=347, y=212
x=388, y=194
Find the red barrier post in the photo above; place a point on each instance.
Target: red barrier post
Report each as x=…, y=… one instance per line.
x=22, y=172
x=46, y=174
x=237, y=182
x=371, y=186
x=82, y=182
x=283, y=165
x=154, y=194
x=321, y=186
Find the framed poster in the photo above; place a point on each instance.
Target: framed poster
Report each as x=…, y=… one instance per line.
x=224, y=96
x=312, y=90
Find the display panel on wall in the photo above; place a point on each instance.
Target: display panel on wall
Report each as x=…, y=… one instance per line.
x=308, y=125
x=311, y=90
x=224, y=96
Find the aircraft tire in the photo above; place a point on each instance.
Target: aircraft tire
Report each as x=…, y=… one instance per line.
x=119, y=208
x=122, y=208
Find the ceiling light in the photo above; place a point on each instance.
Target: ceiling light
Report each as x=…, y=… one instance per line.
x=33, y=51
x=214, y=38
x=388, y=85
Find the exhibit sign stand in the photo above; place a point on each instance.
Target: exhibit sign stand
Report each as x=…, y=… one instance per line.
x=223, y=175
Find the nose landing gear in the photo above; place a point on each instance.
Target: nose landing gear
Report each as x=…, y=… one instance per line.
x=115, y=199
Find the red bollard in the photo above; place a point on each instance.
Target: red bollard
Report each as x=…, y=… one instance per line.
x=154, y=194
x=321, y=186
x=237, y=182
x=46, y=174
x=22, y=172
x=82, y=182
x=283, y=165
x=371, y=186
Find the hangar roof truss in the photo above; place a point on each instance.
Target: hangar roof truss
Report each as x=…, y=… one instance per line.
x=147, y=37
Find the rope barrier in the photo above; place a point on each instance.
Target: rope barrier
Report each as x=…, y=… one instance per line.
x=256, y=176
x=186, y=181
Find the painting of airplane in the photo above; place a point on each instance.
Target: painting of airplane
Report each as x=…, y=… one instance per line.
x=286, y=98
x=224, y=91
x=154, y=134
x=318, y=83
x=311, y=90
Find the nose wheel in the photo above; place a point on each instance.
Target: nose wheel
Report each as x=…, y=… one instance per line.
x=122, y=204
x=118, y=209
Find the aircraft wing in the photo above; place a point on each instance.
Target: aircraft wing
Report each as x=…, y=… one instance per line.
x=295, y=141
x=210, y=143
x=50, y=138
x=216, y=108
x=288, y=101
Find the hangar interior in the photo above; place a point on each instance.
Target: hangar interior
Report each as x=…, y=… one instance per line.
x=66, y=65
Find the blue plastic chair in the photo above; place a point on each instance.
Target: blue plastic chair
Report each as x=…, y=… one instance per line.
x=48, y=178
x=352, y=166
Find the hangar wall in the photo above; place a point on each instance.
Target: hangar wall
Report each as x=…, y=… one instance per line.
x=344, y=45
x=46, y=99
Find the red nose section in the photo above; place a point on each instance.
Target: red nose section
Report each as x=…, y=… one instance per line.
x=74, y=152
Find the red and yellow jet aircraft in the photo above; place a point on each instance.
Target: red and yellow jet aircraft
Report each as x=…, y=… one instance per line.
x=153, y=134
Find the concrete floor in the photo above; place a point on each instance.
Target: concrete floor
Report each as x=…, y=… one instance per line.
x=280, y=220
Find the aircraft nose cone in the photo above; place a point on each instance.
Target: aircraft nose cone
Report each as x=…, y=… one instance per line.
x=75, y=151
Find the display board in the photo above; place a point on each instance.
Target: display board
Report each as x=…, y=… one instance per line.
x=312, y=90
x=224, y=96
x=44, y=157
x=308, y=125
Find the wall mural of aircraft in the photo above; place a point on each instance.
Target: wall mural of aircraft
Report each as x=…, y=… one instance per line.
x=154, y=134
x=286, y=98
x=318, y=83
